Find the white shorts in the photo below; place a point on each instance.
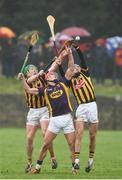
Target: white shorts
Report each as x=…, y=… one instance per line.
x=63, y=122
x=87, y=112
x=35, y=116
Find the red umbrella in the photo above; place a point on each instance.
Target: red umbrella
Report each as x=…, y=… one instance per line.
x=6, y=32
x=76, y=31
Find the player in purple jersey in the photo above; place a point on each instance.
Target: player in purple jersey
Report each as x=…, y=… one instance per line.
x=59, y=106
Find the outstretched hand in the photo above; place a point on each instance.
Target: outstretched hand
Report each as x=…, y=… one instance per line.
x=65, y=52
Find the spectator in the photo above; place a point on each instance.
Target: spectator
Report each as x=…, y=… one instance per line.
x=100, y=57
x=118, y=63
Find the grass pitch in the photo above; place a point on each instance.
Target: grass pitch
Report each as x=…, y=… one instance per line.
x=107, y=165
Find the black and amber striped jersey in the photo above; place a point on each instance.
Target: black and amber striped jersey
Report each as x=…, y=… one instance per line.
x=36, y=101
x=81, y=84
x=82, y=87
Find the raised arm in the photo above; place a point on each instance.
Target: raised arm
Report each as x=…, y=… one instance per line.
x=58, y=61
x=70, y=71
x=70, y=58
x=81, y=57
x=70, y=61
x=60, y=58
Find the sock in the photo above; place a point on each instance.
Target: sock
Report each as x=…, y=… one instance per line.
x=73, y=164
x=91, y=155
x=77, y=155
x=53, y=157
x=38, y=164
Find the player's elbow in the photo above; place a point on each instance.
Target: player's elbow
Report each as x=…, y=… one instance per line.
x=31, y=91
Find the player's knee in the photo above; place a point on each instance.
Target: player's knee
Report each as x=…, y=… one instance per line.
x=79, y=133
x=43, y=133
x=92, y=135
x=30, y=138
x=72, y=145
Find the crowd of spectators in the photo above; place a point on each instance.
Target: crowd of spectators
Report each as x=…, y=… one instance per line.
x=102, y=65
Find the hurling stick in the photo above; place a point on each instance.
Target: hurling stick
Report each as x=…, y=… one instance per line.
x=68, y=42
x=51, y=23
x=33, y=41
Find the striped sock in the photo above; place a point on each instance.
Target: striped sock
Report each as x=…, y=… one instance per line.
x=91, y=154
x=77, y=154
x=73, y=164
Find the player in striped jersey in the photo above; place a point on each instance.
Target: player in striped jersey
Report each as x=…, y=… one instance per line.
x=38, y=114
x=83, y=91
x=59, y=105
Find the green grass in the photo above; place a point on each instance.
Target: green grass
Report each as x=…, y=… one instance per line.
x=108, y=89
x=13, y=86
x=107, y=165
x=10, y=86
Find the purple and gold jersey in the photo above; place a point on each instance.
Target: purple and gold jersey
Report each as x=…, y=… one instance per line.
x=36, y=101
x=57, y=98
x=82, y=88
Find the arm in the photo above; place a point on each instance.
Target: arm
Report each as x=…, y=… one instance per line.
x=70, y=58
x=26, y=86
x=69, y=73
x=58, y=61
x=60, y=58
x=54, y=65
x=82, y=60
x=32, y=78
x=67, y=43
x=35, y=77
x=70, y=61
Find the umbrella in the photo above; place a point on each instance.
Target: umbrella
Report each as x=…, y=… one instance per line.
x=59, y=38
x=27, y=35
x=75, y=31
x=112, y=43
x=6, y=32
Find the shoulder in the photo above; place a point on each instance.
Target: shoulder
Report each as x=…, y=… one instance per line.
x=85, y=71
